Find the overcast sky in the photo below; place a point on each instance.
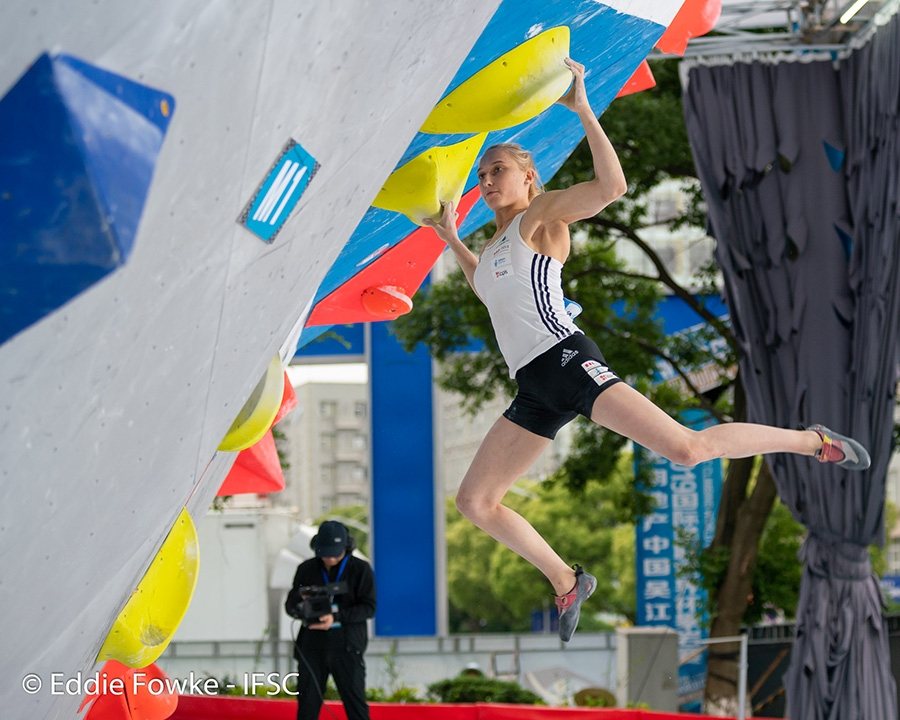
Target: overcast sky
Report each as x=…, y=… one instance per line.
x=336, y=373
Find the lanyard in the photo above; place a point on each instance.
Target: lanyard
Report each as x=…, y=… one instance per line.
x=340, y=571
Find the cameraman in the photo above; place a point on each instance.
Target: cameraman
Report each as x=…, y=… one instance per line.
x=333, y=643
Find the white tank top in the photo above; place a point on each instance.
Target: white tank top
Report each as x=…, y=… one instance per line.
x=523, y=293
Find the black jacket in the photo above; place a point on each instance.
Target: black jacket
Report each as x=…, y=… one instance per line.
x=355, y=606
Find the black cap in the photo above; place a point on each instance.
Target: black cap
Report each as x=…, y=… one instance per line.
x=331, y=540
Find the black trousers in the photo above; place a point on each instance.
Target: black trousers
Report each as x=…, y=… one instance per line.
x=349, y=672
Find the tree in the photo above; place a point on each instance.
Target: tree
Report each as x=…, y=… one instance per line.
x=281, y=442
x=648, y=132
x=492, y=588
x=356, y=518
x=778, y=572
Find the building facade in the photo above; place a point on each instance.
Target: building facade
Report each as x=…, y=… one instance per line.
x=326, y=443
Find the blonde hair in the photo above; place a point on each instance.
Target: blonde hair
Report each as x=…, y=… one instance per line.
x=524, y=160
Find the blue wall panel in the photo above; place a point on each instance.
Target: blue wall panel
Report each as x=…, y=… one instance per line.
x=335, y=343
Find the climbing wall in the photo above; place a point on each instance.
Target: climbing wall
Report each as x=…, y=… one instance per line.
x=186, y=192
x=504, y=91
x=146, y=288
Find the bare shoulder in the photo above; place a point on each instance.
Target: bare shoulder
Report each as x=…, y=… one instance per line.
x=544, y=232
x=538, y=214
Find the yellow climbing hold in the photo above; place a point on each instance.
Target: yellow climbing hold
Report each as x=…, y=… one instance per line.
x=439, y=174
x=513, y=88
x=144, y=628
x=258, y=413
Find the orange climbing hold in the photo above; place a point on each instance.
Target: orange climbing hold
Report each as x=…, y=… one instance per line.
x=696, y=18
x=386, y=302
x=403, y=266
x=126, y=694
x=288, y=400
x=641, y=79
x=256, y=470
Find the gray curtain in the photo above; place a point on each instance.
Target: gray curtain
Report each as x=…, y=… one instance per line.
x=800, y=167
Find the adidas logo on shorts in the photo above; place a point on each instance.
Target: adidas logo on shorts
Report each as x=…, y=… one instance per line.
x=567, y=355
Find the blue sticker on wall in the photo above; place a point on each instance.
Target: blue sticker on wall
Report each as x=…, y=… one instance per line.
x=279, y=193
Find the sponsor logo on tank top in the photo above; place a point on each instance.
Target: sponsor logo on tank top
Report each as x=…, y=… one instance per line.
x=598, y=371
x=567, y=355
x=501, y=259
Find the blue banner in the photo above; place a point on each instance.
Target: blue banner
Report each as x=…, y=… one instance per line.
x=687, y=499
x=890, y=586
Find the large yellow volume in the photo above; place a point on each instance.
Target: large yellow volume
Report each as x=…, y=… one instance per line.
x=258, y=413
x=514, y=88
x=437, y=175
x=144, y=628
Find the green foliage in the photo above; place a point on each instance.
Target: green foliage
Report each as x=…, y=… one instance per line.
x=280, y=441
x=621, y=565
x=476, y=688
x=648, y=132
x=331, y=691
x=396, y=691
x=776, y=582
x=491, y=588
x=356, y=518
x=220, y=503
x=778, y=570
x=448, y=318
x=878, y=555
x=472, y=600
x=597, y=702
x=405, y=695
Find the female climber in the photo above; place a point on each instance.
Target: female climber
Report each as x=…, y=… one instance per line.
x=559, y=372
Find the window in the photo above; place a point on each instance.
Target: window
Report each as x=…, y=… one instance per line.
x=893, y=486
x=352, y=474
x=893, y=557
x=360, y=474
x=359, y=409
x=328, y=442
x=666, y=209
x=327, y=409
x=345, y=499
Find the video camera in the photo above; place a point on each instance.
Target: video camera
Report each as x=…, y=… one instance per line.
x=316, y=600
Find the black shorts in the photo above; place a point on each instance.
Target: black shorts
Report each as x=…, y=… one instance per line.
x=559, y=385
